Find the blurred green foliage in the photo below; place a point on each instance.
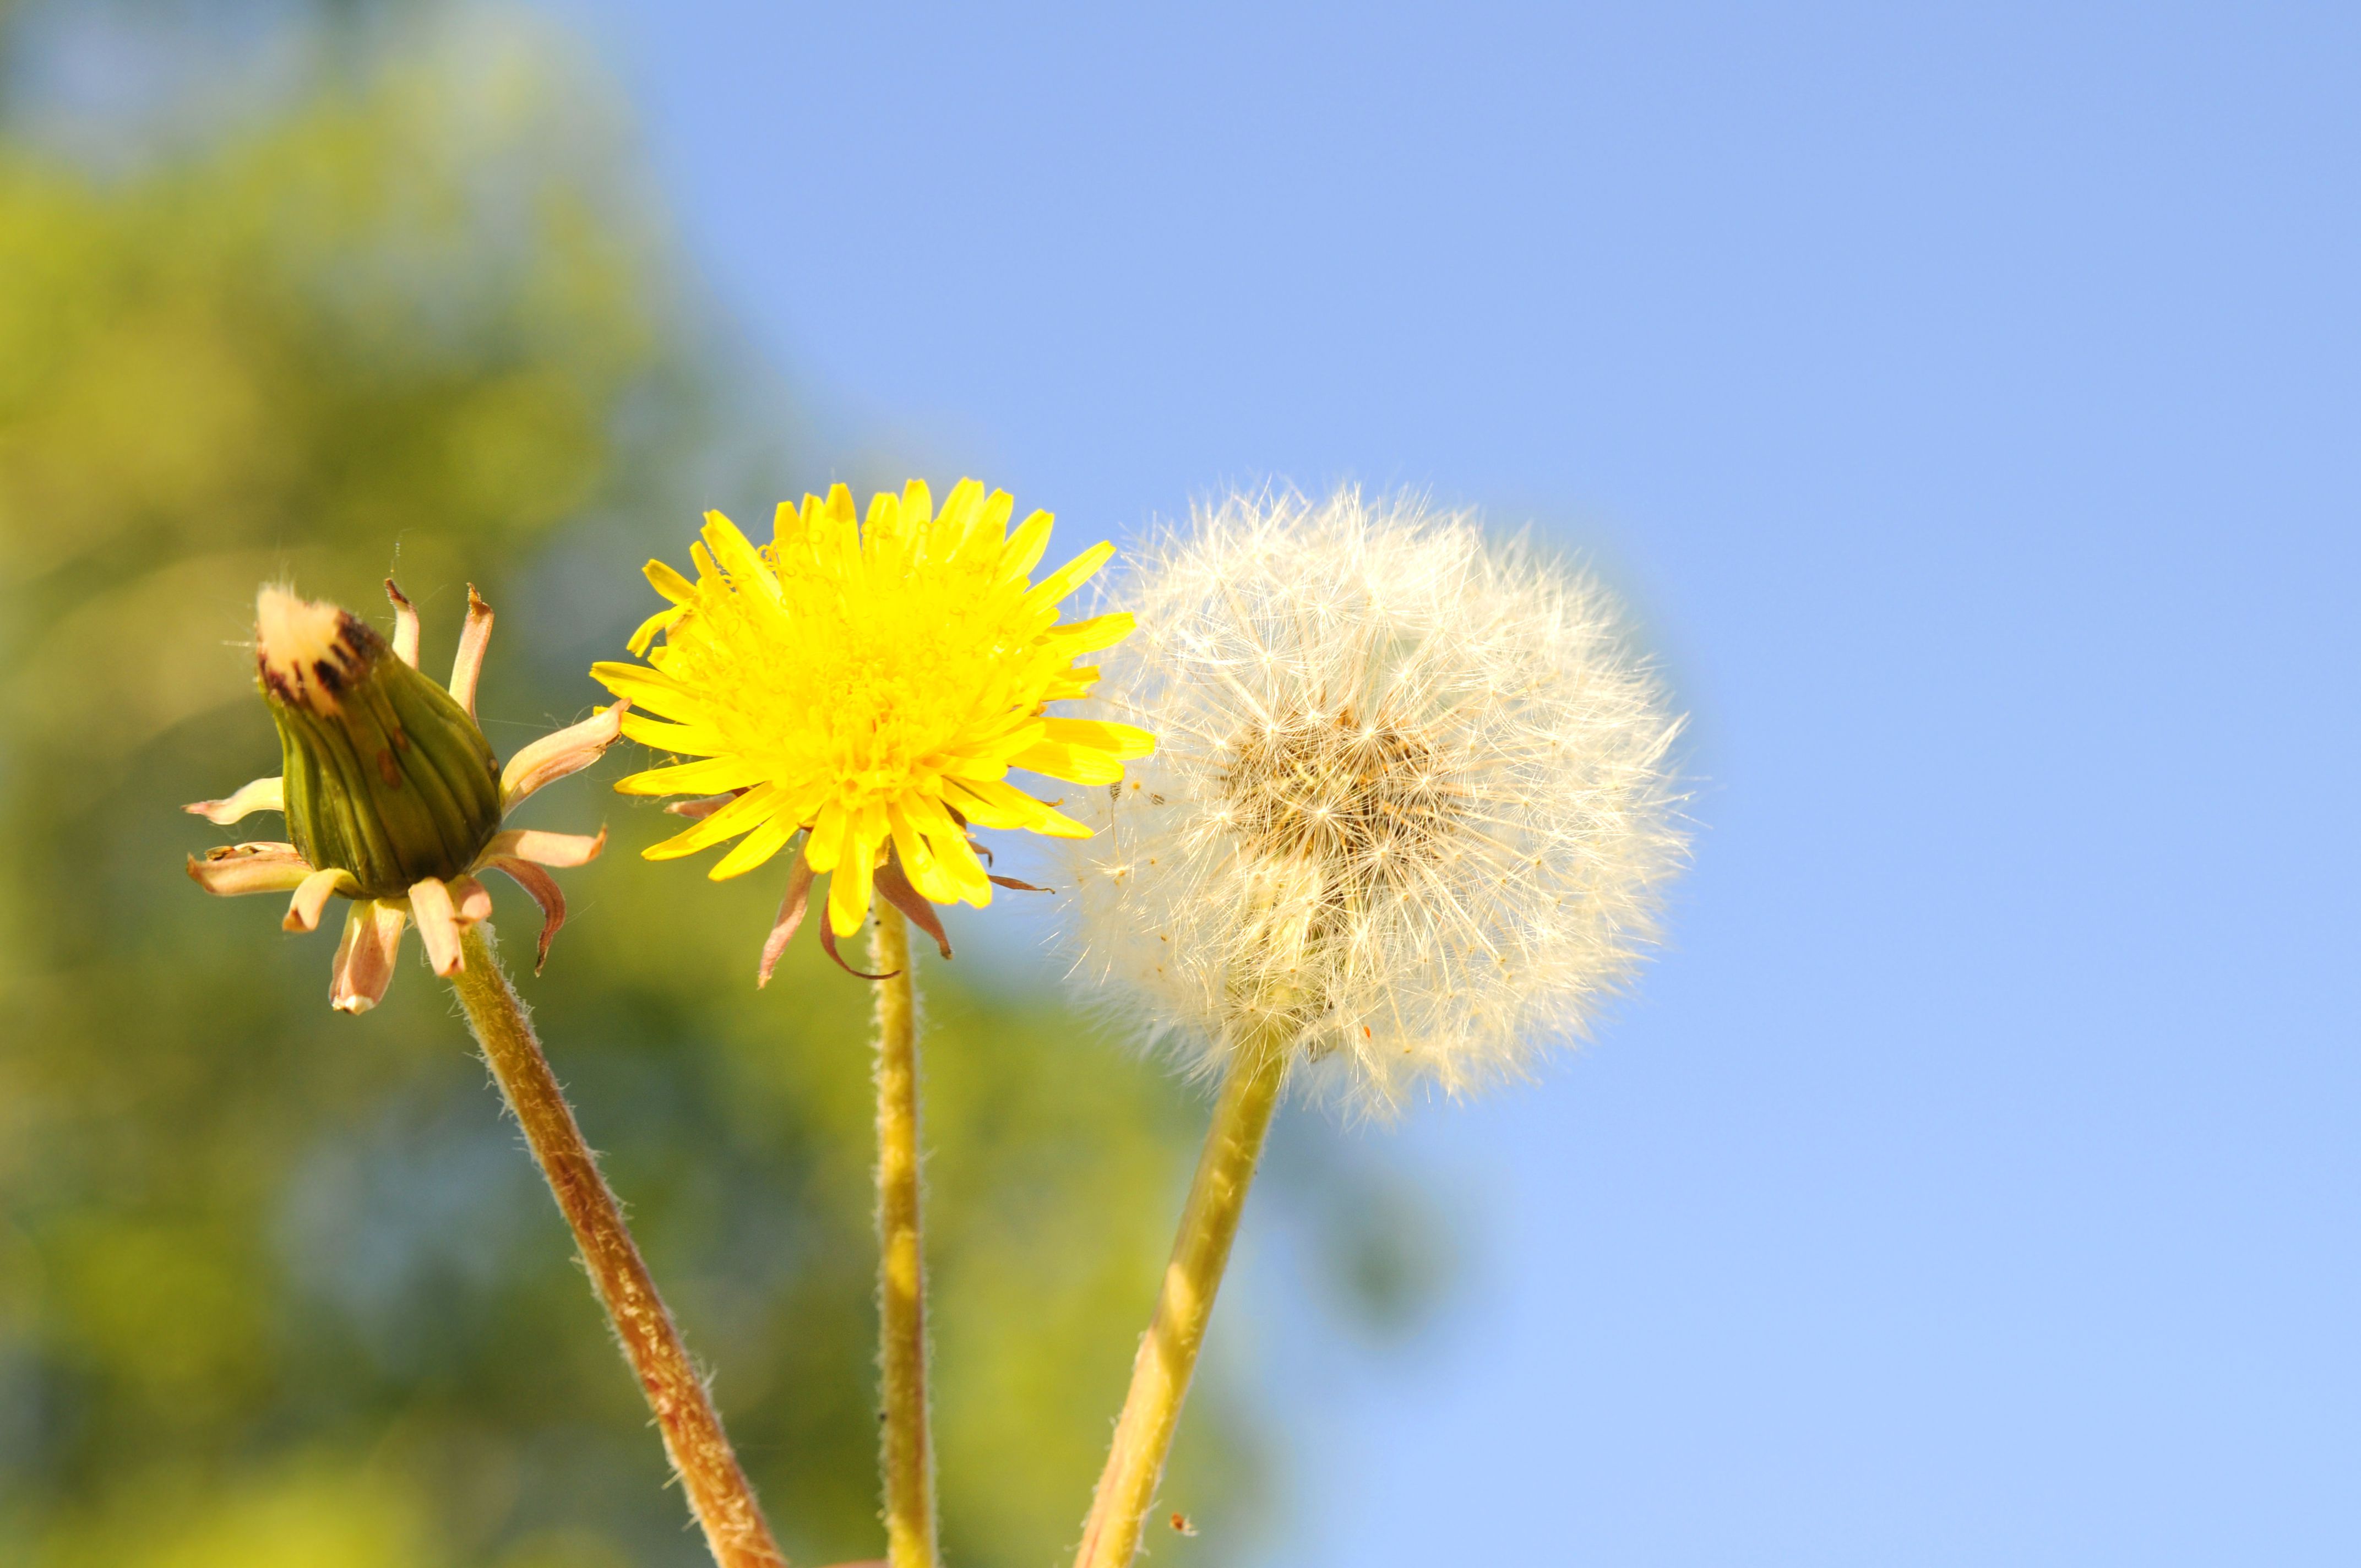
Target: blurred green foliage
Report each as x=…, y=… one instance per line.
x=279, y=1286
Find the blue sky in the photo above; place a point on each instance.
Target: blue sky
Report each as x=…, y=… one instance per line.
x=1967, y=403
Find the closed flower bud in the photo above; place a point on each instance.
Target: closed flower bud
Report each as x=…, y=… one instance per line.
x=388, y=777
x=392, y=795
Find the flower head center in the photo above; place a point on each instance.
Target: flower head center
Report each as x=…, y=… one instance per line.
x=1358, y=801
x=859, y=690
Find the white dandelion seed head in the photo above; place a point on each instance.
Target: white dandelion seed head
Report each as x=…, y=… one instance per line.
x=1411, y=800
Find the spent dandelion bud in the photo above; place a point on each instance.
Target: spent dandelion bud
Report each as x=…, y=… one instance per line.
x=392, y=796
x=1412, y=803
x=394, y=801
x=386, y=776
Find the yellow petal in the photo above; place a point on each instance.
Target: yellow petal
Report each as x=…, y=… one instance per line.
x=737, y=555
x=987, y=531
x=918, y=507
x=856, y=868
x=732, y=819
x=975, y=768
x=1089, y=636
x=1069, y=578
x=1122, y=741
x=993, y=804
x=648, y=688
x=956, y=523
x=928, y=816
x=964, y=868
x=710, y=776
x=1023, y=550
x=661, y=620
x=765, y=840
x=682, y=740
x=918, y=863
x=1075, y=764
x=967, y=798
x=826, y=841
x=671, y=584
x=835, y=544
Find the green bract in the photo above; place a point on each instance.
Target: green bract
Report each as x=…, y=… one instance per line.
x=389, y=792
x=387, y=775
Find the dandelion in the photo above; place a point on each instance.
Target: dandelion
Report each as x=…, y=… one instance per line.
x=390, y=793
x=1408, y=819
x=862, y=689
x=869, y=686
x=393, y=800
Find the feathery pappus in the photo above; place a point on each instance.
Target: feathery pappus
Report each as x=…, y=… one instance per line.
x=1411, y=805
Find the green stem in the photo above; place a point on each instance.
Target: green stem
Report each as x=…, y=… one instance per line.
x=716, y=1488
x=906, y=1459
x=1168, y=1356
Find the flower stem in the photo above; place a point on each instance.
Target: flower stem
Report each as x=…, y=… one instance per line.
x=716, y=1488
x=1168, y=1356
x=907, y=1457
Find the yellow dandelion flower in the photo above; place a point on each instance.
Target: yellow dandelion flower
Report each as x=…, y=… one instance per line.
x=869, y=684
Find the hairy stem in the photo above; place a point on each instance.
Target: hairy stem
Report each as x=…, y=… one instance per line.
x=716, y=1488
x=907, y=1457
x=1168, y=1356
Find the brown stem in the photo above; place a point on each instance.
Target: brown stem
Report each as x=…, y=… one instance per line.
x=906, y=1458
x=716, y=1488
